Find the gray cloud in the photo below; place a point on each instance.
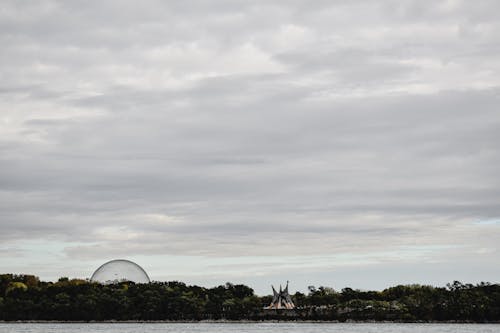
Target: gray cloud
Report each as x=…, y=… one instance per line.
x=233, y=129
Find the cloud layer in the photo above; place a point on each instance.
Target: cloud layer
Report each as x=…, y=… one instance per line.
x=240, y=139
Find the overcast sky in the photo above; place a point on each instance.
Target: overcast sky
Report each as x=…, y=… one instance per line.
x=338, y=143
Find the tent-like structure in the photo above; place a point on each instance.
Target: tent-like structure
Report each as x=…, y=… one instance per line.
x=281, y=300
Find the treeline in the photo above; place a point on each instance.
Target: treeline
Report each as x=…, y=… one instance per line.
x=25, y=297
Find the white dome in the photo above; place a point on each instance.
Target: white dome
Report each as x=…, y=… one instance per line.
x=120, y=270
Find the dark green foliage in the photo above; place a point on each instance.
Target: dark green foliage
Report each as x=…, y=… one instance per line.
x=24, y=297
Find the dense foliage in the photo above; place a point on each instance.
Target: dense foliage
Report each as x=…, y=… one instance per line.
x=24, y=297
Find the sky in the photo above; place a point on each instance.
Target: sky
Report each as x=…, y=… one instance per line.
x=336, y=143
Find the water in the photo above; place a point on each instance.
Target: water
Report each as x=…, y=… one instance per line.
x=247, y=327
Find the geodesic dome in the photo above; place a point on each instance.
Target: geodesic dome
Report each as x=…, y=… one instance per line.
x=118, y=270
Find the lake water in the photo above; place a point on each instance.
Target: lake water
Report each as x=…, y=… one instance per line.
x=248, y=327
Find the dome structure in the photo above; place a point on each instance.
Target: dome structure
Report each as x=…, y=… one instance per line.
x=120, y=270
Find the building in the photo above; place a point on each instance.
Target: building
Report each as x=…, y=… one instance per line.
x=281, y=300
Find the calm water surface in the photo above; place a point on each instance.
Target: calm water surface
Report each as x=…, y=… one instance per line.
x=249, y=327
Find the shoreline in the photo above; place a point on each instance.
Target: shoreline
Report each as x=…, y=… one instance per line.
x=223, y=321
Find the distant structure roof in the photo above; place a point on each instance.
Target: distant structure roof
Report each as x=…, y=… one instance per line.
x=120, y=270
x=281, y=299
